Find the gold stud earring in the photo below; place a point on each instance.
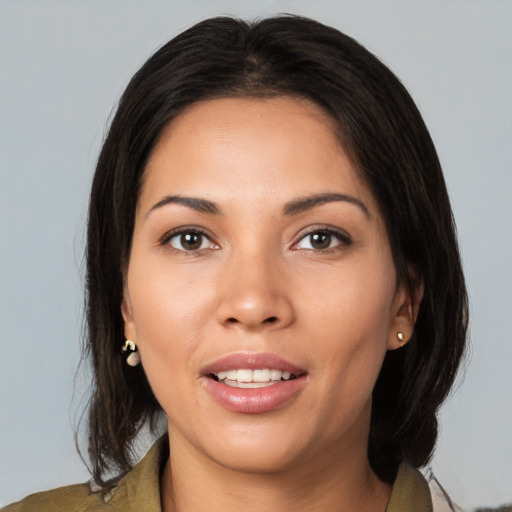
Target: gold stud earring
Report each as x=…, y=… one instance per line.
x=401, y=339
x=131, y=352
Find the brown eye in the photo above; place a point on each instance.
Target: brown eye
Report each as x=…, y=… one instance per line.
x=323, y=239
x=189, y=241
x=320, y=240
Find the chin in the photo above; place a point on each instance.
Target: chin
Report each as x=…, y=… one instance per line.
x=255, y=459
x=265, y=447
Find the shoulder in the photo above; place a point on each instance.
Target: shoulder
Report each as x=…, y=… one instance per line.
x=72, y=497
x=137, y=490
x=410, y=491
x=420, y=492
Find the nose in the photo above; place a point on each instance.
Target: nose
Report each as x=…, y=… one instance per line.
x=255, y=295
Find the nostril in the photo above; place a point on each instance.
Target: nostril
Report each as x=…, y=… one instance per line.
x=267, y=321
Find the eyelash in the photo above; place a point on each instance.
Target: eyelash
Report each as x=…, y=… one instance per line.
x=342, y=237
x=186, y=230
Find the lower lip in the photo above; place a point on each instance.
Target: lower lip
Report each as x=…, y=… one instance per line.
x=255, y=401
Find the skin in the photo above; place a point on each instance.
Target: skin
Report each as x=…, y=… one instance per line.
x=334, y=310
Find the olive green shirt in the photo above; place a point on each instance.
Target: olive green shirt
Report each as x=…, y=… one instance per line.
x=139, y=491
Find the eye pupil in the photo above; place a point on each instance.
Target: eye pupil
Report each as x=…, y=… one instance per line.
x=191, y=241
x=320, y=240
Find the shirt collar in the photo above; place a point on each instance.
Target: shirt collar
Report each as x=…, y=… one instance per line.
x=141, y=486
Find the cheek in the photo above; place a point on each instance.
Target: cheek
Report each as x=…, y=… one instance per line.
x=170, y=311
x=349, y=324
x=169, y=317
x=350, y=304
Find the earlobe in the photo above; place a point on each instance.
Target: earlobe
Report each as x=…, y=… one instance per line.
x=407, y=305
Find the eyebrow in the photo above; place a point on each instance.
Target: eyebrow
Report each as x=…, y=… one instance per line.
x=200, y=205
x=309, y=202
x=291, y=208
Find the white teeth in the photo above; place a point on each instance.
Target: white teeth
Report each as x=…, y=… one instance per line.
x=244, y=375
x=261, y=375
x=276, y=374
x=245, y=378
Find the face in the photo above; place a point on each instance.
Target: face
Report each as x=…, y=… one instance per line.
x=260, y=289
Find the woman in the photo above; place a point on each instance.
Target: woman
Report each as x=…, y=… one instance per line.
x=272, y=250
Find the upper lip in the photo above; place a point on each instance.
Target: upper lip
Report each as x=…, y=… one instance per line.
x=251, y=361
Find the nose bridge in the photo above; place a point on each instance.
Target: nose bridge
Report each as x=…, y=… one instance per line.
x=254, y=293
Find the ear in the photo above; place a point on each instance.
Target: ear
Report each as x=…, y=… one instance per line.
x=130, y=332
x=406, y=306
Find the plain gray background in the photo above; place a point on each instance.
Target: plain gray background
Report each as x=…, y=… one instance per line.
x=63, y=65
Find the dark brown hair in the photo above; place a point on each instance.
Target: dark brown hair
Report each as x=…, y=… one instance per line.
x=382, y=130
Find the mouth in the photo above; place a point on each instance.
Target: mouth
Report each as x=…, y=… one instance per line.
x=253, y=383
x=252, y=378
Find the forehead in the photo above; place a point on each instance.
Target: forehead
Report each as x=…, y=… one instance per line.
x=263, y=149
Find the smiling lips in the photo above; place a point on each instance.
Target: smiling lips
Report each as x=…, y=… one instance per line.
x=253, y=383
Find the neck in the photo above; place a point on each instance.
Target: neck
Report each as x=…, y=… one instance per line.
x=193, y=482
